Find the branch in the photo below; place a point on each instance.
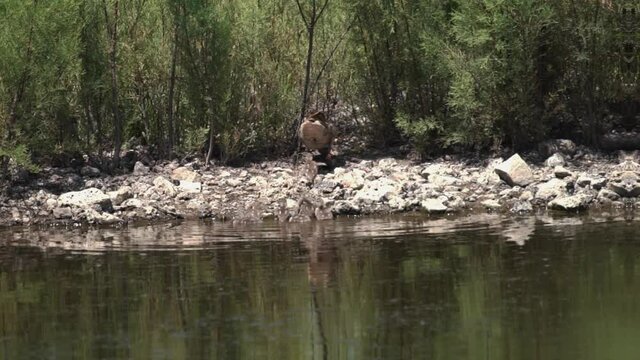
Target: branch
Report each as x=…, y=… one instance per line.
x=335, y=48
x=304, y=18
x=324, y=6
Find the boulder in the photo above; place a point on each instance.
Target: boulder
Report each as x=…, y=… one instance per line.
x=185, y=174
x=551, y=189
x=89, y=171
x=353, y=179
x=62, y=213
x=434, y=206
x=491, y=204
x=555, y=160
x=164, y=186
x=571, y=203
x=86, y=198
x=377, y=191
x=515, y=171
x=560, y=172
x=140, y=169
x=120, y=195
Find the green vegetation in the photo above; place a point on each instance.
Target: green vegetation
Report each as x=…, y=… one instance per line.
x=230, y=79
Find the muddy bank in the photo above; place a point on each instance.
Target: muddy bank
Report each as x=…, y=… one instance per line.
x=561, y=178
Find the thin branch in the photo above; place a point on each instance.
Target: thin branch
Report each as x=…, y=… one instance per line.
x=304, y=18
x=324, y=6
x=333, y=51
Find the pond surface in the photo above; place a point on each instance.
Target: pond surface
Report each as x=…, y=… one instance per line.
x=482, y=287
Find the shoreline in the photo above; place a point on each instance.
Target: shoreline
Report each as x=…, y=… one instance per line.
x=573, y=180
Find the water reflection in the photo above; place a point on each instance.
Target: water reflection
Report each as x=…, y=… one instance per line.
x=385, y=288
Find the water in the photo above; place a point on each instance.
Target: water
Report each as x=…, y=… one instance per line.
x=385, y=288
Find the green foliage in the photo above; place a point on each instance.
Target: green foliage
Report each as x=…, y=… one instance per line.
x=19, y=156
x=437, y=73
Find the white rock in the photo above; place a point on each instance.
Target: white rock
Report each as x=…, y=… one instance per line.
x=551, y=189
x=185, y=174
x=571, y=203
x=492, y=204
x=555, y=160
x=86, y=198
x=433, y=206
x=164, y=186
x=515, y=171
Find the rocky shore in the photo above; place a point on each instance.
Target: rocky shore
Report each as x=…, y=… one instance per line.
x=559, y=177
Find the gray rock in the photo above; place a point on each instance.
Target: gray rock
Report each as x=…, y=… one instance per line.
x=560, y=172
x=185, y=174
x=353, y=179
x=89, y=171
x=164, y=186
x=377, y=190
x=86, y=198
x=61, y=213
x=555, y=160
x=571, y=203
x=120, y=195
x=522, y=207
x=190, y=187
x=140, y=169
x=491, y=204
x=598, y=183
x=131, y=204
x=327, y=186
x=551, y=189
x=433, y=206
x=606, y=194
x=515, y=171
x=562, y=146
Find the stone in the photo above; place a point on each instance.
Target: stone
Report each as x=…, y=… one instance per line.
x=377, y=190
x=515, y=171
x=353, y=179
x=555, y=160
x=86, y=198
x=522, y=207
x=551, y=189
x=190, y=187
x=443, y=180
x=606, y=194
x=583, y=180
x=120, y=195
x=433, y=206
x=491, y=204
x=185, y=174
x=327, y=186
x=625, y=183
x=62, y=213
x=140, y=169
x=571, y=203
x=164, y=186
x=131, y=204
x=560, y=172
x=562, y=146
x=599, y=183
x=90, y=171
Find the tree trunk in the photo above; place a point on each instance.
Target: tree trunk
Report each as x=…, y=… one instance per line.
x=211, y=137
x=172, y=85
x=113, y=65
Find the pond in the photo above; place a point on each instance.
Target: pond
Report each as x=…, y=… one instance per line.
x=479, y=287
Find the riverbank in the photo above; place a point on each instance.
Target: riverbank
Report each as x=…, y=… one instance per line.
x=561, y=177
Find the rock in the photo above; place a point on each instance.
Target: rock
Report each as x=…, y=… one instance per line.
x=353, y=179
x=555, y=160
x=571, y=203
x=377, y=191
x=491, y=204
x=190, y=187
x=526, y=196
x=62, y=213
x=562, y=146
x=606, y=194
x=327, y=186
x=433, y=206
x=89, y=171
x=323, y=213
x=625, y=184
x=131, y=204
x=522, y=207
x=185, y=174
x=583, y=180
x=164, y=186
x=140, y=169
x=86, y=198
x=344, y=207
x=551, y=189
x=598, y=183
x=560, y=172
x=120, y=195
x=515, y=171
x=95, y=217
x=442, y=181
